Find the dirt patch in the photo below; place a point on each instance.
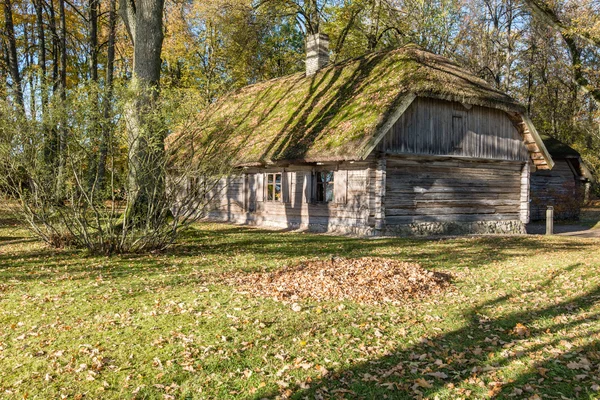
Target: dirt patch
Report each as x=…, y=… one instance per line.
x=364, y=280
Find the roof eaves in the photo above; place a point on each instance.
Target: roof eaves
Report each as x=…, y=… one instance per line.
x=538, y=140
x=406, y=101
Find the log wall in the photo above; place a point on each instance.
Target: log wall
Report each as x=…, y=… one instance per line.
x=349, y=211
x=441, y=189
x=560, y=188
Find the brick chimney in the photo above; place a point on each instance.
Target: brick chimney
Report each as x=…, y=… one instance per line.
x=317, y=53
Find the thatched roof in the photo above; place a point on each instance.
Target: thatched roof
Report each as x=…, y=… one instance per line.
x=558, y=149
x=337, y=113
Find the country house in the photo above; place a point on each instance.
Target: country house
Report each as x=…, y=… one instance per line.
x=395, y=142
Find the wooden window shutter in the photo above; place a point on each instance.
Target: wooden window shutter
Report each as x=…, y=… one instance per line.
x=260, y=186
x=293, y=188
x=340, y=186
x=306, y=187
x=285, y=187
x=312, y=184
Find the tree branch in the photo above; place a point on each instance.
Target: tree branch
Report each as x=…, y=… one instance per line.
x=127, y=13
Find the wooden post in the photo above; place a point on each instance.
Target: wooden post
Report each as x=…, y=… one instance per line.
x=525, y=183
x=550, y=220
x=380, y=178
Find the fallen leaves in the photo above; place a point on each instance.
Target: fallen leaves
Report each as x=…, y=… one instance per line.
x=420, y=382
x=583, y=363
x=439, y=375
x=521, y=330
x=365, y=280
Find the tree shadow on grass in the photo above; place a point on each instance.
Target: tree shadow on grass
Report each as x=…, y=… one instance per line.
x=475, y=251
x=516, y=355
x=48, y=264
x=10, y=240
x=278, y=249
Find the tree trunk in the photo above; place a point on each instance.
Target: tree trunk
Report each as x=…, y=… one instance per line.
x=145, y=134
x=29, y=45
x=41, y=37
x=373, y=33
x=13, y=62
x=95, y=136
x=313, y=16
x=55, y=46
x=63, y=49
x=107, y=105
x=62, y=87
x=93, y=40
x=52, y=140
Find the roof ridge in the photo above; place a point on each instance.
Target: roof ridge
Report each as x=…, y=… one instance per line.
x=406, y=48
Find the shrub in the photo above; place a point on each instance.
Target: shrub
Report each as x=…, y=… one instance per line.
x=68, y=168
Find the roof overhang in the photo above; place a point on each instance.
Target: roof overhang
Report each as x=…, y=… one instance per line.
x=585, y=171
x=535, y=145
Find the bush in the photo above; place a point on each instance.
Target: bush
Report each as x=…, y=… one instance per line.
x=68, y=168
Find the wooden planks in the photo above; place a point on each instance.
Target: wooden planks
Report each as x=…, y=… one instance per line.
x=379, y=193
x=550, y=187
x=525, y=195
x=437, y=127
x=538, y=153
x=444, y=190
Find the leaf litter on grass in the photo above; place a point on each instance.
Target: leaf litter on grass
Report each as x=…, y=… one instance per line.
x=368, y=280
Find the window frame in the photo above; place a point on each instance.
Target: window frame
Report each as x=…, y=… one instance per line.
x=193, y=184
x=271, y=187
x=325, y=184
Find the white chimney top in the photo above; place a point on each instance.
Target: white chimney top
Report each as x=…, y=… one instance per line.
x=317, y=53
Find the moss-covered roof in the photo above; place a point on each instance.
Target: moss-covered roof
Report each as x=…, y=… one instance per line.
x=558, y=149
x=334, y=114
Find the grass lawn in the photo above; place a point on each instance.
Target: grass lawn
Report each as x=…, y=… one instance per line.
x=522, y=323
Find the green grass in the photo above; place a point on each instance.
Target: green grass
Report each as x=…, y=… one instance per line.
x=162, y=326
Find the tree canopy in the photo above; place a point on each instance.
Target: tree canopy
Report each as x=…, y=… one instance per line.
x=542, y=52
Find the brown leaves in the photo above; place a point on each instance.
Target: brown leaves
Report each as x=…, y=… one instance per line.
x=439, y=375
x=420, y=382
x=365, y=280
x=583, y=363
x=521, y=330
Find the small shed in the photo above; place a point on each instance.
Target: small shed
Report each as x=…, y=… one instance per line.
x=566, y=187
x=395, y=142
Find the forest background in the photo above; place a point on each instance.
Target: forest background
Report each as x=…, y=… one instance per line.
x=210, y=47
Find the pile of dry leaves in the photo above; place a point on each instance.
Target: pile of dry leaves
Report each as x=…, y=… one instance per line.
x=365, y=280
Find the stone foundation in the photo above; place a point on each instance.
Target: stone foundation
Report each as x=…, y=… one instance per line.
x=456, y=228
x=414, y=229
x=334, y=229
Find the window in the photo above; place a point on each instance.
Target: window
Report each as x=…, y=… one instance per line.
x=193, y=184
x=274, y=187
x=324, y=186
